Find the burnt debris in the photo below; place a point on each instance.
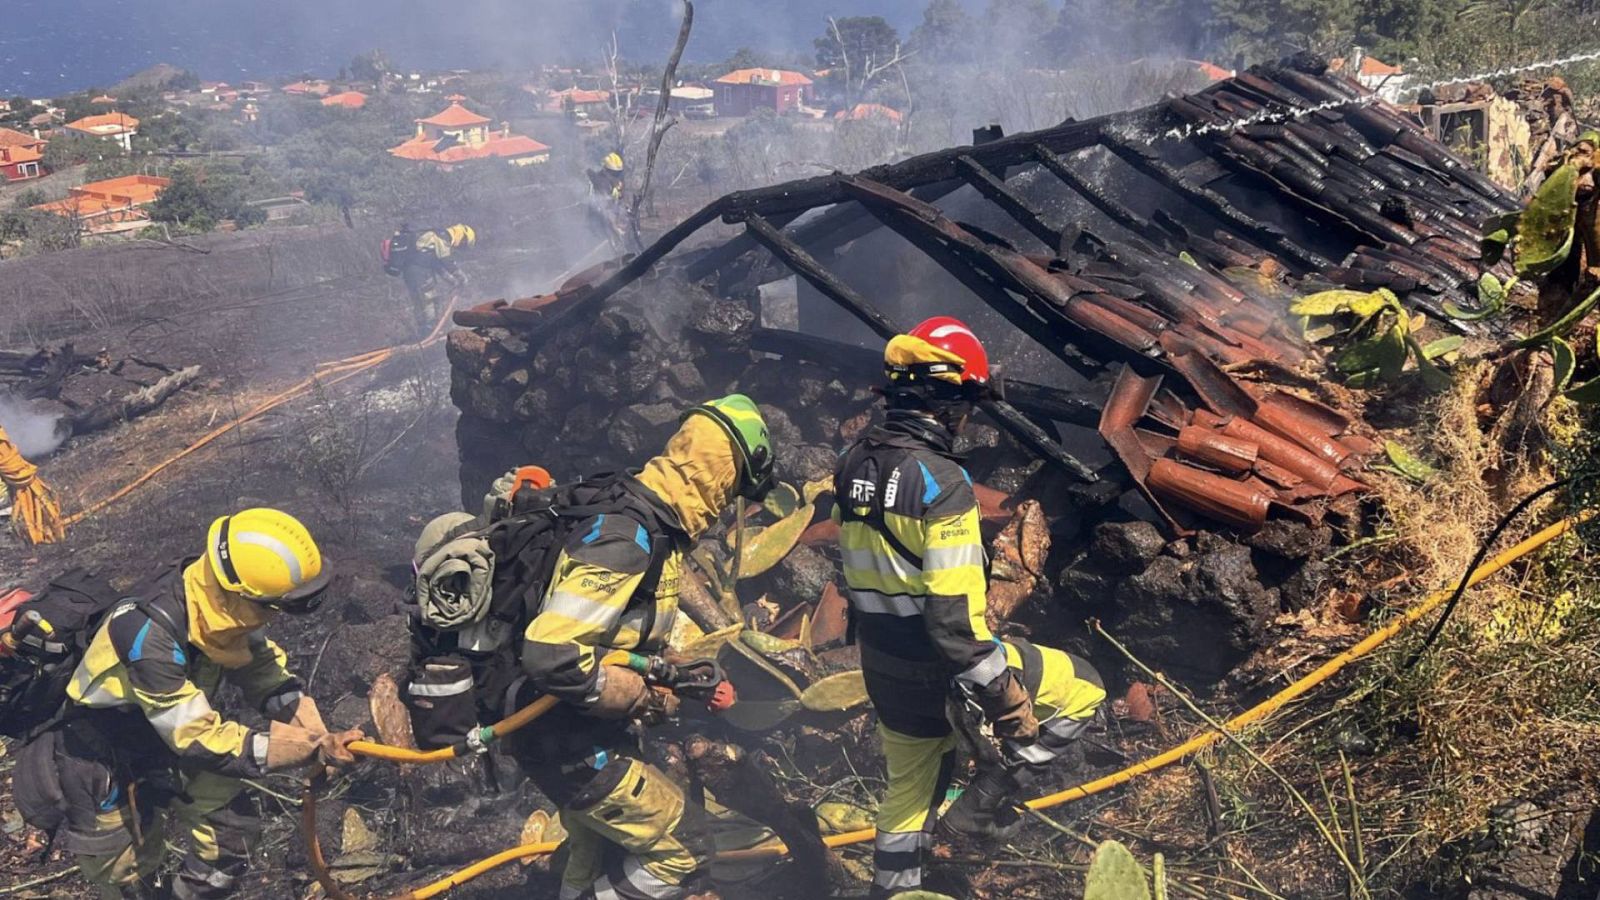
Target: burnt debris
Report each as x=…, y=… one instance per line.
x=1209, y=211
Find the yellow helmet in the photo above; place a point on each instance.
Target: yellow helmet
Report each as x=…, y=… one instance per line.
x=612, y=162
x=462, y=234
x=267, y=556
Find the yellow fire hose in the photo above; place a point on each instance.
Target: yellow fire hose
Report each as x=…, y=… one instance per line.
x=1193, y=745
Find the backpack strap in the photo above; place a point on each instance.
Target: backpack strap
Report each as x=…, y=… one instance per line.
x=874, y=517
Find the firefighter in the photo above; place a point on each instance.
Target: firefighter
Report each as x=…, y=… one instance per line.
x=914, y=567
x=142, y=741
x=607, y=181
x=421, y=259
x=615, y=587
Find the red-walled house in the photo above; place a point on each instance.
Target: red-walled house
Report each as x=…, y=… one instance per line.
x=21, y=156
x=744, y=91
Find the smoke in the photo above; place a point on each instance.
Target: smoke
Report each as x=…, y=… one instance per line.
x=37, y=434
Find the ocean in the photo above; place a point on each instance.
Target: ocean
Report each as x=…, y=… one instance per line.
x=51, y=48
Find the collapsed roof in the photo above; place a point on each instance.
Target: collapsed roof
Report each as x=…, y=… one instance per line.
x=1217, y=206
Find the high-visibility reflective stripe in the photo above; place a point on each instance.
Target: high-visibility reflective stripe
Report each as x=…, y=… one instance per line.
x=951, y=557
x=1034, y=754
x=279, y=548
x=168, y=721
x=902, y=605
x=898, y=879
x=646, y=882
x=593, y=696
x=449, y=689
x=581, y=609
x=987, y=669
x=604, y=891
x=1064, y=729
x=882, y=559
x=900, y=842
x=280, y=703
x=258, y=749
x=568, y=892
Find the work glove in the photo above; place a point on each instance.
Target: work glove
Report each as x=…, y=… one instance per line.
x=334, y=748
x=308, y=716
x=627, y=696
x=1009, y=710
x=290, y=746
x=987, y=809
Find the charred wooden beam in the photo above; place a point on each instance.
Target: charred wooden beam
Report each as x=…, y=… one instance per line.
x=1097, y=196
x=723, y=255
x=826, y=190
x=863, y=363
x=807, y=267
x=1043, y=307
x=132, y=405
x=1014, y=205
x=831, y=287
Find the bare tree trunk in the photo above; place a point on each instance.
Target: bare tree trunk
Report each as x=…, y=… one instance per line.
x=659, y=128
x=112, y=412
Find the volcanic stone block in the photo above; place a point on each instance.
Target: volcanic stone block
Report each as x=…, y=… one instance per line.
x=1291, y=540
x=805, y=463
x=1197, y=617
x=780, y=427
x=722, y=324
x=801, y=577
x=642, y=430
x=1124, y=548
x=686, y=382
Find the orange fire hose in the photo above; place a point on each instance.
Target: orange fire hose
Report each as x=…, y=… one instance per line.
x=1195, y=744
x=325, y=374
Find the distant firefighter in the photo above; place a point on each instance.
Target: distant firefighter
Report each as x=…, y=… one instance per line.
x=35, y=514
x=421, y=259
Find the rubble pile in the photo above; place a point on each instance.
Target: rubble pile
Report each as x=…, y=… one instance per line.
x=1172, y=304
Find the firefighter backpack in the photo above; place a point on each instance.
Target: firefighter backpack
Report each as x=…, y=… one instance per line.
x=458, y=681
x=397, y=250
x=42, y=639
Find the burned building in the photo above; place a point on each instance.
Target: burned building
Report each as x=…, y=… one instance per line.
x=1135, y=271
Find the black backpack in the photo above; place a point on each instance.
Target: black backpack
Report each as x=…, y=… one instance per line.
x=43, y=646
x=451, y=688
x=398, y=249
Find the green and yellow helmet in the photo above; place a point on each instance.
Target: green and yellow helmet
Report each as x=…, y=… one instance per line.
x=739, y=417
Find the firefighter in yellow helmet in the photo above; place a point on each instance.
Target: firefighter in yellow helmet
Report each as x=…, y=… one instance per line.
x=421, y=259
x=916, y=579
x=143, y=742
x=631, y=835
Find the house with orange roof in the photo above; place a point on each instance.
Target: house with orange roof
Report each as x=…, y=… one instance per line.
x=743, y=91
x=117, y=127
x=457, y=135
x=346, y=100
x=109, y=205
x=576, y=101
x=864, y=112
x=104, y=100
x=1373, y=74
x=21, y=156
x=315, y=88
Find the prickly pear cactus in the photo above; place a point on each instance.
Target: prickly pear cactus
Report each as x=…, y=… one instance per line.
x=1115, y=875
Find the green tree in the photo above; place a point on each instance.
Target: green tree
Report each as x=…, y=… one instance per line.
x=858, y=50
x=742, y=58
x=1266, y=29
x=68, y=150
x=372, y=66
x=946, y=34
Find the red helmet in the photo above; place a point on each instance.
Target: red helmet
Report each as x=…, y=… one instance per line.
x=950, y=333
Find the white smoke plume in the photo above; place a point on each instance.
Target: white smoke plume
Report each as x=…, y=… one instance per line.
x=37, y=434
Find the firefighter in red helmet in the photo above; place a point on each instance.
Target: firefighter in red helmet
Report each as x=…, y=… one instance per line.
x=917, y=583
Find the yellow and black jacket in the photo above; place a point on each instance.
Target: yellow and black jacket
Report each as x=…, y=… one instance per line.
x=160, y=659
x=915, y=573
x=615, y=585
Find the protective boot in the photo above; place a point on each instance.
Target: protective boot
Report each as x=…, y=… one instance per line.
x=987, y=809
